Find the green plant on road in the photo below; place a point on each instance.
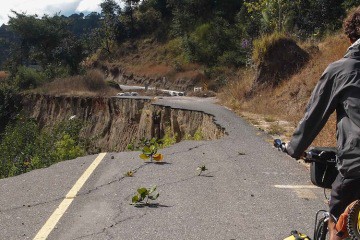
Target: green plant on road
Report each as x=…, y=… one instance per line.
x=144, y=195
x=129, y=174
x=149, y=151
x=201, y=169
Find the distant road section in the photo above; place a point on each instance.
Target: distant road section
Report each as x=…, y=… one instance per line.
x=169, y=92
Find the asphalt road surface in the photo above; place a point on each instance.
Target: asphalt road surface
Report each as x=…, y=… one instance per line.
x=250, y=191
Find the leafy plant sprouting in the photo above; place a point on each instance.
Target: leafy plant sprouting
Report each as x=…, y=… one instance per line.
x=144, y=195
x=201, y=169
x=149, y=151
x=129, y=174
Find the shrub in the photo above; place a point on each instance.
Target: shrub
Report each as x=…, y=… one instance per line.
x=27, y=78
x=262, y=45
x=17, y=147
x=71, y=128
x=67, y=148
x=169, y=138
x=9, y=104
x=175, y=50
x=113, y=84
x=95, y=80
x=25, y=147
x=277, y=57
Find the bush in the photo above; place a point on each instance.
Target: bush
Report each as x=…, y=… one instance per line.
x=67, y=148
x=94, y=80
x=9, y=104
x=262, y=45
x=27, y=78
x=217, y=43
x=277, y=57
x=113, y=84
x=17, y=147
x=25, y=147
x=169, y=138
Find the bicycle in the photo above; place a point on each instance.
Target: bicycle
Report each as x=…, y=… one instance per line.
x=323, y=173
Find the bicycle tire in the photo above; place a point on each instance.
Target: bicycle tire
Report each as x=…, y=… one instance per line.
x=353, y=224
x=321, y=231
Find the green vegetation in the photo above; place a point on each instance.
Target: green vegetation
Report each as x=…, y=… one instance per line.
x=144, y=195
x=168, y=139
x=25, y=147
x=201, y=169
x=262, y=45
x=205, y=31
x=215, y=37
x=198, y=136
x=149, y=151
x=129, y=173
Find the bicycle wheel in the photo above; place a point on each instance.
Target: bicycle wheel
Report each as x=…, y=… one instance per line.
x=321, y=231
x=353, y=224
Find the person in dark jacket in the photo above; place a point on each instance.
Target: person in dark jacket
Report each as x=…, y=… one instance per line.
x=337, y=90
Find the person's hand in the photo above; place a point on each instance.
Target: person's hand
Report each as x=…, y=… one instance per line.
x=281, y=146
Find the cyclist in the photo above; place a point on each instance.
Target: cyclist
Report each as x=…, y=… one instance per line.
x=338, y=89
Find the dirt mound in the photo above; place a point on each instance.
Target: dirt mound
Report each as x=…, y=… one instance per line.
x=282, y=58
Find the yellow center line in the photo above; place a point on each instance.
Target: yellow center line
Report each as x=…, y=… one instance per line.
x=60, y=210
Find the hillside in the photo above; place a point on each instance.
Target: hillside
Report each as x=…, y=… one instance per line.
x=287, y=101
x=260, y=63
x=278, y=114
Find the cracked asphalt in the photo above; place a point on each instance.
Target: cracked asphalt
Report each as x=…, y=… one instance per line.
x=235, y=198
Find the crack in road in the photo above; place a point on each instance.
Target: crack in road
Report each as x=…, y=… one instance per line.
x=189, y=149
x=61, y=198
x=111, y=226
x=30, y=205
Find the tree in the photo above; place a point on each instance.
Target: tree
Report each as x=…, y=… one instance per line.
x=275, y=13
x=129, y=12
x=38, y=36
x=348, y=4
x=109, y=31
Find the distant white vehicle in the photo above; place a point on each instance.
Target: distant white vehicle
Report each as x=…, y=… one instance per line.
x=124, y=94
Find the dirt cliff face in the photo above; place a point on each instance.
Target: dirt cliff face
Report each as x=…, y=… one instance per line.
x=112, y=123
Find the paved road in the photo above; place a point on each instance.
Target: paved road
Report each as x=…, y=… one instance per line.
x=247, y=193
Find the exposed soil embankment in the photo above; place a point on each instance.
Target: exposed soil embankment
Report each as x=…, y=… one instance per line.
x=159, y=76
x=112, y=123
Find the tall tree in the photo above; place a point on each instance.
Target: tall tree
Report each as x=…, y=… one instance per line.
x=38, y=36
x=44, y=41
x=110, y=11
x=130, y=6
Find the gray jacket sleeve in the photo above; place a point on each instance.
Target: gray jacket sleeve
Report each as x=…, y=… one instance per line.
x=321, y=105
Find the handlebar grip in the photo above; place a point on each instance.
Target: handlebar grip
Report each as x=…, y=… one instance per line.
x=281, y=146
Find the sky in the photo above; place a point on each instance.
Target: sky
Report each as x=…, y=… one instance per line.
x=50, y=7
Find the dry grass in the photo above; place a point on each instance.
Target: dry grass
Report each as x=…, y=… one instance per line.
x=3, y=75
x=150, y=70
x=91, y=84
x=288, y=100
x=234, y=94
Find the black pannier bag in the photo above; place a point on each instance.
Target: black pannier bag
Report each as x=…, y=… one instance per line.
x=323, y=169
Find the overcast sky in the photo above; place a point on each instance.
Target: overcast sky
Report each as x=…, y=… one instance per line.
x=50, y=7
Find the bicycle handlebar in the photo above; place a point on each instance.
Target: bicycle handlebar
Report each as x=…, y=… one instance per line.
x=313, y=155
x=281, y=146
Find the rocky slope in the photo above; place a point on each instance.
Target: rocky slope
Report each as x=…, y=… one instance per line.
x=112, y=123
